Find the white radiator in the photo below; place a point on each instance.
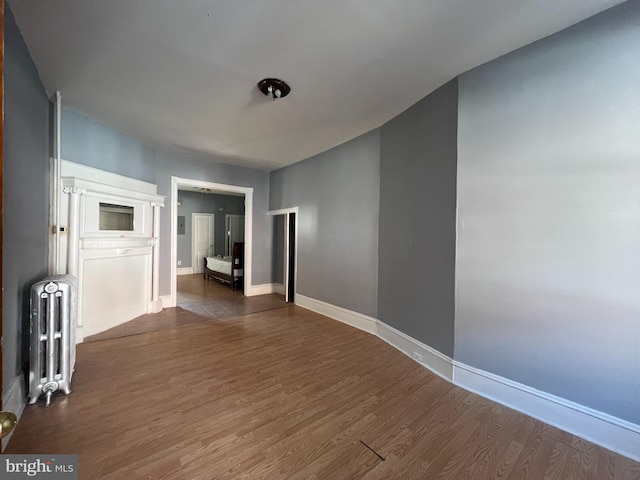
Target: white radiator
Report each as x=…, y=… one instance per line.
x=54, y=305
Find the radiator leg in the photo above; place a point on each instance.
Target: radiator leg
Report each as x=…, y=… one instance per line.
x=48, y=389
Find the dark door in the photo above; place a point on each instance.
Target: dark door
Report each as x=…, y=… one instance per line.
x=292, y=258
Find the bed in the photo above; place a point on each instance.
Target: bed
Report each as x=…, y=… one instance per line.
x=227, y=269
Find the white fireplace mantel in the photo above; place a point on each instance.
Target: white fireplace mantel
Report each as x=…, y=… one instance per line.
x=117, y=270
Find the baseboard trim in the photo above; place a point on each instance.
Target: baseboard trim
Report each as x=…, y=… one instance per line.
x=14, y=400
x=184, y=271
x=279, y=288
x=437, y=362
x=600, y=428
x=155, y=306
x=355, y=319
x=263, y=289
x=166, y=301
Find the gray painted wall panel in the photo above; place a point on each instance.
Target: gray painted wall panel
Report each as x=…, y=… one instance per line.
x=337, y=193
x=26, y=195
x=194, y=202
x=549, y=200
x=418, y=220
x=89, y=143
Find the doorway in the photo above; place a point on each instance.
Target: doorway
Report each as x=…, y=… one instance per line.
x=286, y=250
x=199, y=185
x=290, y=256
x=202, y=239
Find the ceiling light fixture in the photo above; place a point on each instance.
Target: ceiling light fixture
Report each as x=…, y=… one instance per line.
x=274, y=87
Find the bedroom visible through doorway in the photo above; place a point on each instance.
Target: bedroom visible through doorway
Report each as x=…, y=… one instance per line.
x=203, y=231
x=220, y=202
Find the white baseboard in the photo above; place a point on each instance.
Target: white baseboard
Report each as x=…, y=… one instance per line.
x=184, y=271
x=264, y=289
x=431, y=358
x=14, y=400
x=605, y=430
x=155, y=306
x=355, y=319
x=278, y=288
x=166, y=301
x=79, y=335
x=600, y=428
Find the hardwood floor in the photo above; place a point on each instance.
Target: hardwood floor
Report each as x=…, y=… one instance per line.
x=288, y=393
x=198, y=301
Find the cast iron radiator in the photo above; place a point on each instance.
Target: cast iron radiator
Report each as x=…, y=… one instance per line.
x=54, y=304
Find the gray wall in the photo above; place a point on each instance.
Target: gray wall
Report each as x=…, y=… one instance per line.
x=26, y=195
x=548, y=260
x=337, y=193
x=418, y=219
x=194, y=202
x=90, y=143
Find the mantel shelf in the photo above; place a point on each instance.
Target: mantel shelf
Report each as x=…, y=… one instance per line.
x=82, y=185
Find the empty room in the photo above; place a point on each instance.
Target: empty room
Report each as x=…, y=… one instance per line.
x=320, y=239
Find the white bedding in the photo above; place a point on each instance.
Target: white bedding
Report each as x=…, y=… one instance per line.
x=219, y=264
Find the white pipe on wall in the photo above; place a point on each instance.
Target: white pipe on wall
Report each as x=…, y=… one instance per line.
x=55, y=187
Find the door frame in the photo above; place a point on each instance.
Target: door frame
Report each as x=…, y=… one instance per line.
x=195, y=259
x=1, y=175
x=286, y=212
x=227, y=218
x=177, y=182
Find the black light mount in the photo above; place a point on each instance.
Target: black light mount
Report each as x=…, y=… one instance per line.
x=274, y=87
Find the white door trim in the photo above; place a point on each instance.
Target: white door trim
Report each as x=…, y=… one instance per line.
x=195, y=260
x=286, y=212
x=248, y=227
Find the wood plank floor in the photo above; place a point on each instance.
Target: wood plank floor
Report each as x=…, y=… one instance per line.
x=288, y=393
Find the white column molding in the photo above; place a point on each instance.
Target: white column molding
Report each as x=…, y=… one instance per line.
x=156, y=303
x=74, y=229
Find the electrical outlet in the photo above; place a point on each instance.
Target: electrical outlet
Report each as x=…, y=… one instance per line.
x=179, y=262
x=417, y=356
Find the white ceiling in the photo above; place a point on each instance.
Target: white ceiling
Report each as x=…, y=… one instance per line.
x=184, y=72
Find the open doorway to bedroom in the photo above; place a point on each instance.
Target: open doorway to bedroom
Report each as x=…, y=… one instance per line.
x=210, y=246
x=209, y=224
x=200, y=214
